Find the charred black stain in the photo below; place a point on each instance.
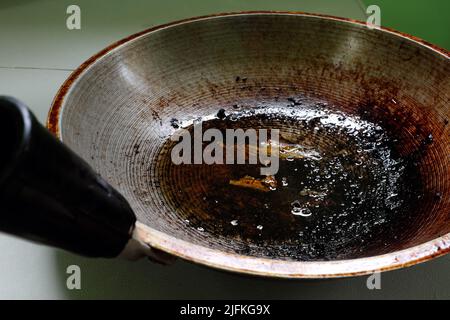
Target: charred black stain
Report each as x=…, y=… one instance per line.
x=136, y=150
x=174, y=123
x=155, y=116
x=241, y=79
x=221, y=114
x=358, y=204
x=293, y=101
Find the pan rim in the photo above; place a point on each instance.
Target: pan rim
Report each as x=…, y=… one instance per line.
x=253, y=265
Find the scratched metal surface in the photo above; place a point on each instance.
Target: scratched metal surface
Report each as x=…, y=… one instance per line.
x=34, y=61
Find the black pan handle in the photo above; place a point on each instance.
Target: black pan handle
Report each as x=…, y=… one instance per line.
x=50, y=195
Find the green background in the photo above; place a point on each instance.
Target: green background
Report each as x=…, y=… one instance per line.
x=426, y=19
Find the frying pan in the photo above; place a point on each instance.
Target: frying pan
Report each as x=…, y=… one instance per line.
x=330, y=83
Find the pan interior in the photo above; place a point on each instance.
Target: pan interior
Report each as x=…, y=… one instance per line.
x=372, y=105
x=342, y=190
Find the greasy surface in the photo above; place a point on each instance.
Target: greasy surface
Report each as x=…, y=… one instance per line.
x=348, y=194
x=136, y=93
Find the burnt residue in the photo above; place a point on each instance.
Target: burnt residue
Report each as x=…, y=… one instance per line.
x=174, y=123
x=345, y=202
x=221, y=114
x=155, y=116
x=241, y=79
x=293, y=101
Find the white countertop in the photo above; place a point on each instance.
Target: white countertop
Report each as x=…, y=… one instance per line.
x=36, y=53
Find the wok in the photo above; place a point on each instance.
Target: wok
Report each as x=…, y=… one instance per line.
x=291, y=71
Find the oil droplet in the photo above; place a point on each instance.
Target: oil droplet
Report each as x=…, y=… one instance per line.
x=303, y=212
x=234, y=223
x=259, y=227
